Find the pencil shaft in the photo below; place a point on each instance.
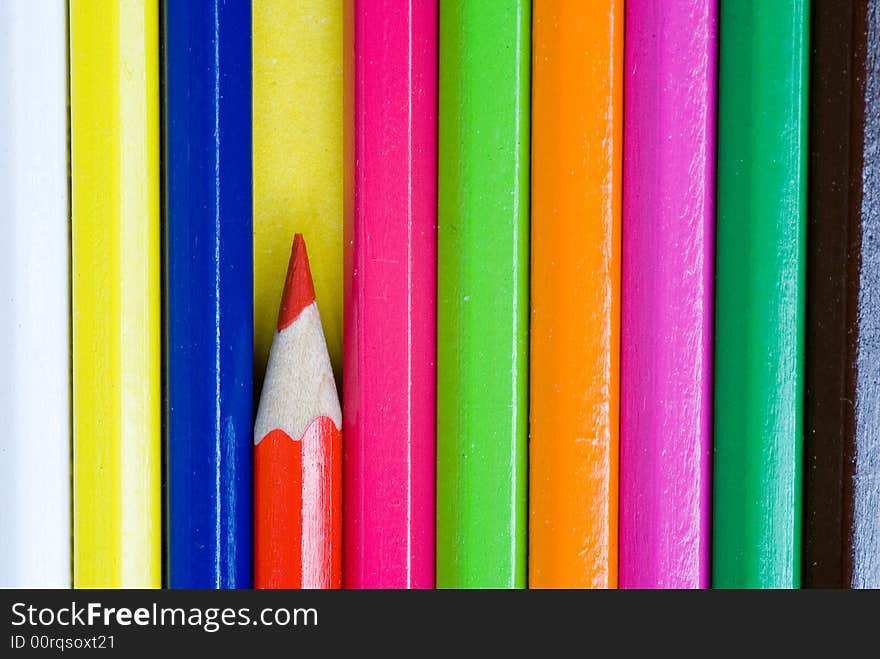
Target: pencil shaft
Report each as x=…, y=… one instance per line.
x=759, y=354
x=34, y=310
x=298, y=158
x=577, y=142
x=209, y=293
x=483, y=301
x=668, y=277
x=842, y=416
x=390, y=298
x=114, y=91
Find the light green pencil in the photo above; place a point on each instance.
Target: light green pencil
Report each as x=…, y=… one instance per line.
x=483, y=294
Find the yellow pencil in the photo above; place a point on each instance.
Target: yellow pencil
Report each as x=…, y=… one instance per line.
x=114, y=98
x=298, y=160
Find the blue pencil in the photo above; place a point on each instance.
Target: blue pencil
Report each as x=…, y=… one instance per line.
x=209, y=279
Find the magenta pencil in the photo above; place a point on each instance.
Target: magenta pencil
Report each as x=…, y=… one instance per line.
x=666, y=327
x=390, y=297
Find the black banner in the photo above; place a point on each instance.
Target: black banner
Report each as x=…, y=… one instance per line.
x=133, y=622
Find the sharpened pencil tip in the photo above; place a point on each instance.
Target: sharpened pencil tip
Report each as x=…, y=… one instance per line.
x=299, y=291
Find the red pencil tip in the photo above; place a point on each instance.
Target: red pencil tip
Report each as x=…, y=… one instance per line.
x=299, y=291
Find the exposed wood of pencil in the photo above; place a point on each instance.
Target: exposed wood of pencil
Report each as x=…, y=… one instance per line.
x=577, y=144
x=842, y=415
x=114, y=111
x=298, y=448
x=34, y=310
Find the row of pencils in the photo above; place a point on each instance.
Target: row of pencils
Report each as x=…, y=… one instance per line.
x=600, y=283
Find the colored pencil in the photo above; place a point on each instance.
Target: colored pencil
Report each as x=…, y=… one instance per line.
x=34, y=330
x=759, y=338
x=298, y=158
x=209, y=288
x=390, y=297
x=577, y=142
x=114, y=128
x=842, y=415
x=483, y=295
x=298, y=448
x=668, y=279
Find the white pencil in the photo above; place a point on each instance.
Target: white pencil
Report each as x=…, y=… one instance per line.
x=34, y=333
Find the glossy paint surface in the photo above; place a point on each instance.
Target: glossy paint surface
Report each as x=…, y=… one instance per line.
x=34, y=291
x=483, y=296
x=842, y=416
x=114, y=165
x=390, y=298
x=209, y=288
x=668, y=279
x=577, y=144
x=297, y=497
x=759, y=338
x=298, y=159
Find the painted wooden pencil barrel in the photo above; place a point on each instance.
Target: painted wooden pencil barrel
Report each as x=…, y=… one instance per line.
x=577, y=144
x=114, y=129
x=390, y=298
x=842, y=416
x=668, y=279
x=483, y=297
x=34, y=308
x=209, y=289
x=759, y=339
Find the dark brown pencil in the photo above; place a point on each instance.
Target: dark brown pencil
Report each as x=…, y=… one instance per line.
x=842, y=450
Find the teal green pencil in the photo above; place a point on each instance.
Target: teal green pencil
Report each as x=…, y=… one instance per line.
x=483, y=295
x=759, y=349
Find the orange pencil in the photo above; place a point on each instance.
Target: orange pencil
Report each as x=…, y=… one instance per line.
x=298, y=452
x=577, y=144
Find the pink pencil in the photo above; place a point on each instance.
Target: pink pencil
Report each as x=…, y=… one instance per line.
x=390, y=298
x=666, y=329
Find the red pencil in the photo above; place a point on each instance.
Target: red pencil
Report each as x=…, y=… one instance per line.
x=298, y=448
